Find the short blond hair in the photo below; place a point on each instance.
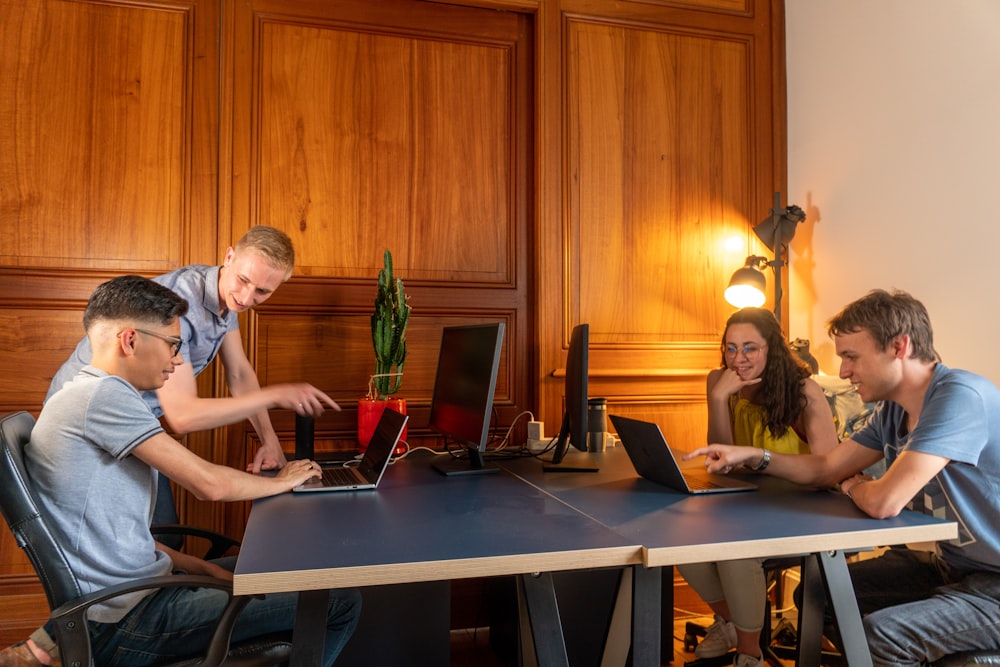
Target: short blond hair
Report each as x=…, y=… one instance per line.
x=272, y=244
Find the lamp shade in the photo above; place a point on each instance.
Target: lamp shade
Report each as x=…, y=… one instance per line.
x=746, y=288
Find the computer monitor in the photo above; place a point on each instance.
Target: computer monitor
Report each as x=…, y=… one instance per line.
x=574, y=424
x=462, y=401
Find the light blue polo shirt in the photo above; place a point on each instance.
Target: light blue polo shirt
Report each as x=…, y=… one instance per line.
x=202, y=328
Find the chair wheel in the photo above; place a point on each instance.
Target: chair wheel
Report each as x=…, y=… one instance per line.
x=691, y=633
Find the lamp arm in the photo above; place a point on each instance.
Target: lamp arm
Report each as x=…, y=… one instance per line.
x=778, y=261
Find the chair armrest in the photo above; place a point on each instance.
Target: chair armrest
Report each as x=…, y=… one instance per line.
x=71, y=623
x=219, y=544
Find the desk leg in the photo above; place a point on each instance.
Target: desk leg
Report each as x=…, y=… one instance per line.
x=810, y=635
x=647, y=611
x=845, y=608
x=635, y=627
x=309, y=635
x=537, y=600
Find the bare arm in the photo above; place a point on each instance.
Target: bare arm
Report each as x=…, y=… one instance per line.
x=241, y=378
x=194, y=565
x=209, y=481
x=721, y=384
x=817, y=419
x=821, y=470
x=888, y=495
x=185, y=411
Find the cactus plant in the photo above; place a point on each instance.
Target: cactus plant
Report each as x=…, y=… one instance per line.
x=392, y=314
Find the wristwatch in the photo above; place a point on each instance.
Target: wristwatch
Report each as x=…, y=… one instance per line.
x=766, y=459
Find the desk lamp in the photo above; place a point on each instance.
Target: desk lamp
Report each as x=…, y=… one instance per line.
x=746, y=287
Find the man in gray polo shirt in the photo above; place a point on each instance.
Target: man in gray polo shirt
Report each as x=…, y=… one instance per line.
x=251, y=271
x=96, y=438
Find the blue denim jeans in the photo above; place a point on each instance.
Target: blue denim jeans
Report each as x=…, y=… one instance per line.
x=916, y=610
x=174, y=623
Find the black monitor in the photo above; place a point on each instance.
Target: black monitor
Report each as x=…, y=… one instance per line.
x=574, y=424
x=463, y=394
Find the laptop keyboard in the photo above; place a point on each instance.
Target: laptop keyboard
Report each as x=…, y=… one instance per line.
x=338, y=476
x=696, y=482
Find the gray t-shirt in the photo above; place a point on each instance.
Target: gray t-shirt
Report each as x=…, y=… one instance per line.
x=202, y=328
x=97, y=497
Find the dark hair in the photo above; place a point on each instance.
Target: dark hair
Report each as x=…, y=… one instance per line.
x=887, y=316
x=133, y=298
x=780, y=391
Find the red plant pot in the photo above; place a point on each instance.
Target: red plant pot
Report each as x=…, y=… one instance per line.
x=369, y=412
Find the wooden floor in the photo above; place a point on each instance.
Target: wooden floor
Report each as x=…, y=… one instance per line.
x=471, y=648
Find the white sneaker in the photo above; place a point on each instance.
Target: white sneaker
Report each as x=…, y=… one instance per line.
x=720, y=639
x=744, y=660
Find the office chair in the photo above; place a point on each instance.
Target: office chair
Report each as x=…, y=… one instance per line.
x=68, y=605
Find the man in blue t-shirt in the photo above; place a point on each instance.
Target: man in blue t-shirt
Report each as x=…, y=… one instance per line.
x=97, y=439
x=938, y=430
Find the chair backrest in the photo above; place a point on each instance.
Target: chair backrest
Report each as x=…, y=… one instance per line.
x=26, y=520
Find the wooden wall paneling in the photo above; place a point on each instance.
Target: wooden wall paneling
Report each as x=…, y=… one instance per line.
x=98, y=108
x=671, y=128
x=668, y=135
x=108, y=153
x=407, y=127
x=334, y=353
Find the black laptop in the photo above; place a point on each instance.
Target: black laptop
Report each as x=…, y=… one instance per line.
x=652, y=458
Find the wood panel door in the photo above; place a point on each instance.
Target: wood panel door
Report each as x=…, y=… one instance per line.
x=361, y=126
x=668, y=137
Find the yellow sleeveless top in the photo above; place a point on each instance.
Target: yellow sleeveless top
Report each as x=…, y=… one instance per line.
x=750, y=428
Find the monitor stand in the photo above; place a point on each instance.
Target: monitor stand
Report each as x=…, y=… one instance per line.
x=473, y=465
x=566, y=458
x=573, y=462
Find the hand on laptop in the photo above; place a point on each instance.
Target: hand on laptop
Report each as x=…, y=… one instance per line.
x=724, y=458
x=299, y=471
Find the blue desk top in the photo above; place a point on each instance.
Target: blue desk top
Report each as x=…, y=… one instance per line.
x=419, y=526
x=778, y=519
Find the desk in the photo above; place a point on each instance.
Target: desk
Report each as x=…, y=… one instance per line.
x=779, y=519
x=421, y=526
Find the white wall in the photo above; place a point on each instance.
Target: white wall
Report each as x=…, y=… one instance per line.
x=894, y=153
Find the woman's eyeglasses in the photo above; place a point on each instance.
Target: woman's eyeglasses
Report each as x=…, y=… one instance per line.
x=750, y=351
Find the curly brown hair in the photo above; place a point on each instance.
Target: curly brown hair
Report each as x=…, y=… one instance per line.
x=780, y=393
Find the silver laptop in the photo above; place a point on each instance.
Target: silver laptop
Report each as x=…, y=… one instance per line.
x=368, y=473
x=652, y=458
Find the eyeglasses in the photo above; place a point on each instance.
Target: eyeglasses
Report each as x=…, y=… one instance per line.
x=750, y=351
x=173, y=341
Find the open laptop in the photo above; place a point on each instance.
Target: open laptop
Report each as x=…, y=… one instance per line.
x=368, y=473
x=652, y=458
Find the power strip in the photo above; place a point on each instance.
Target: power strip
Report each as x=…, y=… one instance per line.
x=536, y=446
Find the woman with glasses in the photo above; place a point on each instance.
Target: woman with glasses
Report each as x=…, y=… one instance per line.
x=761, y=396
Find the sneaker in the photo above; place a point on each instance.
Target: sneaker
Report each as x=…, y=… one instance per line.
x=744, y=660
x=720, y=639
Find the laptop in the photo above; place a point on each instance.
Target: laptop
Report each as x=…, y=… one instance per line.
x=652, y=458
x=368, y=473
